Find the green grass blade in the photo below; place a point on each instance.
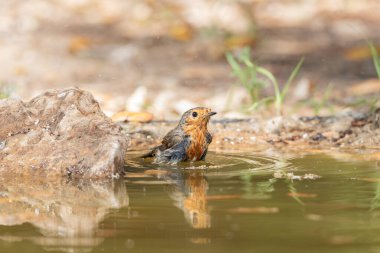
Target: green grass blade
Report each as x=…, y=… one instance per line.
x=376, y=58
x=267, y=74
x=5, y=91
x=236, y=69
x=293, y=75
x=257, y=104
x=271, y=77
x=245, y=54
x=327, y=93
x=249, y=63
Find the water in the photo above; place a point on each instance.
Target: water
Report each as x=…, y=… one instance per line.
x=231, y=203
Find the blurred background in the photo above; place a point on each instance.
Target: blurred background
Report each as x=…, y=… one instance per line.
x=163, y=57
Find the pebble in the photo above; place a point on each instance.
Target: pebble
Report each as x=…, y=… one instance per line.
x=137, y=99
x=2, y=145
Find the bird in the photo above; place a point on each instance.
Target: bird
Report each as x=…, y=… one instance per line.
x=188, y=141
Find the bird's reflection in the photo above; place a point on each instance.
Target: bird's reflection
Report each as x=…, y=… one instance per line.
x=67, y=213
x=189, y=191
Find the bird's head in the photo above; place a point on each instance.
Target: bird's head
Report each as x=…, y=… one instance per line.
x=198, y=116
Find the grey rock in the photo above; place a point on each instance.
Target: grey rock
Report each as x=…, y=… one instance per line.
x=60, y=133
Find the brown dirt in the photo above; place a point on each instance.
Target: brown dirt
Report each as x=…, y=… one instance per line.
x=349, y=132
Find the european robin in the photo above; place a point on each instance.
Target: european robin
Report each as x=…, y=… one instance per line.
x=188, y=141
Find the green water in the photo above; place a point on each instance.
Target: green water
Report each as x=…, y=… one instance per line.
x=231, y=203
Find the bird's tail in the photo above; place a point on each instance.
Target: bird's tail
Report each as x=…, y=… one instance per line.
x=151, y=153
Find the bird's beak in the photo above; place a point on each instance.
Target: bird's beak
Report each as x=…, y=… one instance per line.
x=211, y=114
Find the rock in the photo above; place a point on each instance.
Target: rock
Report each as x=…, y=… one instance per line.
x=59, y=133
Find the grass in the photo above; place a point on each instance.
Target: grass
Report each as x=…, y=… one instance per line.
x=251, y=76
x=375, y=58
x=325, y=102
x=246, y=72
x=3, y=95
x=372, y=103
x=4, y=91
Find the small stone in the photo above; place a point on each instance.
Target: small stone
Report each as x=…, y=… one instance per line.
x=318, y=137
x=2, y=145
x=302, y=89
x=137, y=100
x=273, y=125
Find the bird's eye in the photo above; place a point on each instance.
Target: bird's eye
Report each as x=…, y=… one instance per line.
x=195, y=114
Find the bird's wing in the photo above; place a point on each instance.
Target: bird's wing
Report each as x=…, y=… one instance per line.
x=172, y=138
x=208, y=138
x=150, y=153
x=175, y=154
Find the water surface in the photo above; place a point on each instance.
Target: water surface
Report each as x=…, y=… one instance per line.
x=231, y=203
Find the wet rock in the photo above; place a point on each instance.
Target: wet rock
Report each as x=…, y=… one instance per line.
x=59, y=133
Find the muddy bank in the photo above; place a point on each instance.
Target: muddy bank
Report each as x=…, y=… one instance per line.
x=346, y=131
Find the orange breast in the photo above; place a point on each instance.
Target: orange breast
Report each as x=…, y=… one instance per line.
x=197, y=146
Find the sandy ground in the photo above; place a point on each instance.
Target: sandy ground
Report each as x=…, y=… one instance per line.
x=167, y=56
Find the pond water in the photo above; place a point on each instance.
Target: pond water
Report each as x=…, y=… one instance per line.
x=230, y=203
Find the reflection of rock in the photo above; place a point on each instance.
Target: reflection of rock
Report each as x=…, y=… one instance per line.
x=66, y=213
x=59, y=133
x=190, y=192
